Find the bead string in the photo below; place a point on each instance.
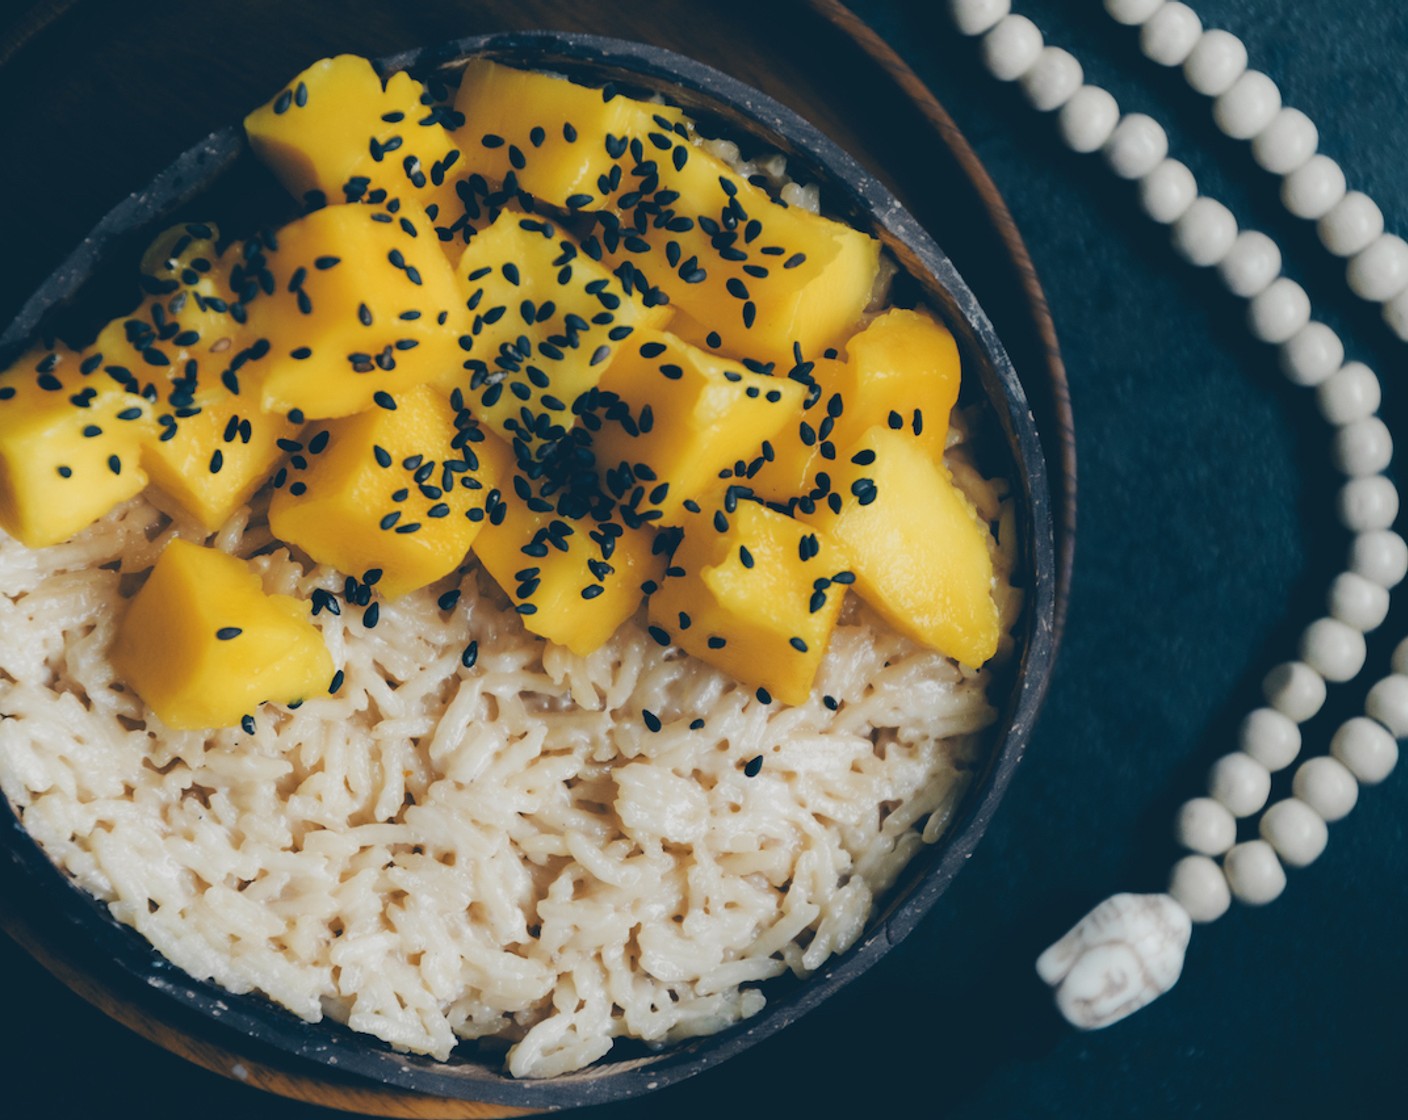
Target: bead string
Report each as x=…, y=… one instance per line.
x=1089, y=966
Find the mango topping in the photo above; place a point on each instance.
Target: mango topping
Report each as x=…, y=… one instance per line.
x=336, y=134
x=673, y=416
x=204, y=646
x=69, y=445
x=755, y=593
x=917, y=548
x=401, y=490
x=359, y=303
x=548, y=321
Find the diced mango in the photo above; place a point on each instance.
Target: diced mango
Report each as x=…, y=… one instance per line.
x=755, y=594
x=917, y=548
x=363, y=305
x=797, y=449
x=903, y=365
x=337, y=134
x=209, y=448
x=547, y=322
x=573, y=580
x=69, y=445
x=762, y=276
x=402, y=490
x=214, y=461
x=677, y=416
x=901, y=371
x=555, y=139
x=203, y=645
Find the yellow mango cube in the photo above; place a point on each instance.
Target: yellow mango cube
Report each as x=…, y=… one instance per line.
x=70, y=439
x=793, y=456
x=760, y=277
x=756, y=594
x=573, y=580
x=212, y=462
x=337, y=134
x=203, y=645
x=553, y=138
x=901, y=371
x=548, y=321
x=210, y=448
x=363, y=305
x=919, y=553
x=402, y=490
x=676, y=416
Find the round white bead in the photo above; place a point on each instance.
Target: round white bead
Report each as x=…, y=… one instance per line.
x=1327, y=786
x=1251, y=264
x=1286, y=143
x=1199, y=886
x=1313, y=354
x=1387, y=702
x=1254, y=873
x=1294, y=689
x=1312, y=190
x=1380, y=271
x=1088, y=118
x=1011, y=48
x=1205, y=826
x=1363, y=447
x=1352, y=224
x=1395, y=313
x=1132, y=13
x=1270, y=737
x=1168, y=191
x=1368, y=503
x=1205, y=234
x=1137, y=146
x=1296, y=831
x=1358, y=602
x=1351, y=393
x=1380, y=556
x=1399, y=660
x=1248, y=106
x=1277, y=314
x=1239, y=782
x=1332, y=649
x=1170, y=34
x=1053, y=79
x=1366, y=749
x=973, y=17
x=1217, y=60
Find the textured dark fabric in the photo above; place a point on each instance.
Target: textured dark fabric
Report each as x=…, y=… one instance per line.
x=1206, y=541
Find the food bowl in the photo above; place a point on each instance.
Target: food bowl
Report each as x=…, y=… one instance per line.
x=219, y=175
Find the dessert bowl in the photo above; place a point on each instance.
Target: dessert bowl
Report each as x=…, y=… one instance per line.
x=220, y=176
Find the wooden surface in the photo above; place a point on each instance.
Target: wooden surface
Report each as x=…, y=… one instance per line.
x=816, y=59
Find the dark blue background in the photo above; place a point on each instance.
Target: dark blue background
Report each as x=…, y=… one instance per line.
x=1206, y=540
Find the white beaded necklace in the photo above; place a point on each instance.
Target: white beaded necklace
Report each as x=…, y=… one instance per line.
x=1129, y=950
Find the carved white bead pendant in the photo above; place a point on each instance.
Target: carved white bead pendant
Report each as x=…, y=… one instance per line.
x=1125, y=953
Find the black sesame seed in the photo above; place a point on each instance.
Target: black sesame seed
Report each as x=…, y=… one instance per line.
x=662, y=637
x=385, y=400
x=797, y=644
x=247, y=724
x=371, y=616
x=652, y=721
x=717, y=642
x=753, y=766
x=764, y=697
x=225, y=633
x=336, y=684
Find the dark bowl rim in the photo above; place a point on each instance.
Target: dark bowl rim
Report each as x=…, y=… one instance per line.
x=333, y=1046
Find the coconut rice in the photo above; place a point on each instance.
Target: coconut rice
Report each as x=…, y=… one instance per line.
x=477, y=836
